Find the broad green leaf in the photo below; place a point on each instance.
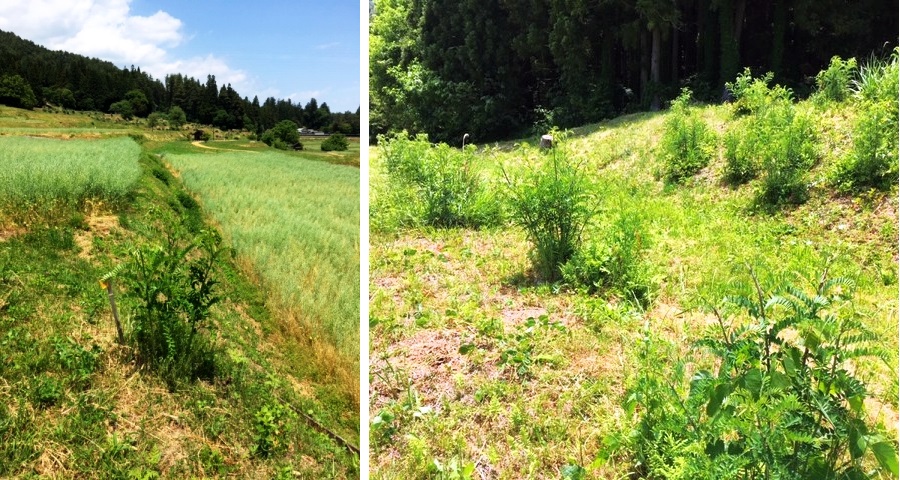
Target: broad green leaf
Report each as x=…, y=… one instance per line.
x=886, y=454
x=716, y=398
x=753, y=381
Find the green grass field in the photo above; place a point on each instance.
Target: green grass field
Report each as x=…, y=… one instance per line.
x=480, y=369
x=74, y=402
x=312, y=149
x=37, y=172
x=297, y=221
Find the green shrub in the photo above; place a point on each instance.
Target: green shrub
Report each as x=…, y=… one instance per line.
x=741, y=163
x=872, y=160
x=271, y=424
x=786, y=142
x=833, y=83
x=282, y=136
x=155, y=119
x=550, y=198
x=783, y=401
x=173, y=289
x=687, y=143
x=445, y=186
x=752, y=95
x=336, y=142
x=612, y=261
x=774, y=141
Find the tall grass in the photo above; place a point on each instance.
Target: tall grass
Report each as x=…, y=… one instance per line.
x=297, y=222
x=872, y=162
x=37, y=173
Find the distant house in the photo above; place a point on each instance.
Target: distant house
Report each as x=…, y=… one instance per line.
x=309, y=131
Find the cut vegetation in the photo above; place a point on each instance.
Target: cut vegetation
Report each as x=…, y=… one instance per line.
x=707, y=292
x=204, y=381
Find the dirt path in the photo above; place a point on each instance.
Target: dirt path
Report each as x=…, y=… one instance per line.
x=200, y=144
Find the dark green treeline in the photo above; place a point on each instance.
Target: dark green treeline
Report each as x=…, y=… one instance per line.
x=31, y=75
x=496, y=68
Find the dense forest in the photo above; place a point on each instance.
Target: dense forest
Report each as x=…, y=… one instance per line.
x=497, y=68
x=31, y=75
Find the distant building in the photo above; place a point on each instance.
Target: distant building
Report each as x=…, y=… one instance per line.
x=309, y=131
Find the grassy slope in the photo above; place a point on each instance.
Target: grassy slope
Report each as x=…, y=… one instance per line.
x=109, y=419
x=434, y=291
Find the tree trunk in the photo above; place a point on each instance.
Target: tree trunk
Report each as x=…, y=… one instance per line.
x=675, y=55
x=706, y=48
x=779, y=27
x=730, y=55
x=645, y=60
x=608, y=67
x=739, y=7
x=654, y=67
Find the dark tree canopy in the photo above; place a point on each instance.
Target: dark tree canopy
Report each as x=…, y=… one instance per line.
x=16, y=92
x=74, y=81
x=496, y=68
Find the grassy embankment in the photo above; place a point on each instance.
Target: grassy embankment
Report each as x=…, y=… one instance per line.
x=76, y=404
x=463, y=382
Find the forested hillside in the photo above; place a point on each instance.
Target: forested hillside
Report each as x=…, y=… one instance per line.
x=31, y=75
x=497, y=68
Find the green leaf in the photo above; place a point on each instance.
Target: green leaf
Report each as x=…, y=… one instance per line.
x=573, y=472
x=779, y=381
x=856, y=403
x=791, y=361
x=857, y=443
x=753, y=382
x=886, y=454
x=715, y=400
x=466, y=348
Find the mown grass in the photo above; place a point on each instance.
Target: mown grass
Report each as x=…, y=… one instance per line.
x=449, y=308
x=73, y=402
x=297, y=223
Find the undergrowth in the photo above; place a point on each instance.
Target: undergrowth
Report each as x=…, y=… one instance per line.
x=780, y=401
x=441, y=185
x=552, y=200
x=687, y=143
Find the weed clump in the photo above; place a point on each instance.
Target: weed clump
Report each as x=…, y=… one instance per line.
x=784, y=402
x=613, y=261
x=441, y=185
x=687, y=143
x=775, y=141
x=873, y=159
x=173, y=286
x=550, y=198
x=833, y=83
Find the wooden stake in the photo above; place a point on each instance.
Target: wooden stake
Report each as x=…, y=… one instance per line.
x=115, y=312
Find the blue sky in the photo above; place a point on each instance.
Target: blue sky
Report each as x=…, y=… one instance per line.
x=283, y=49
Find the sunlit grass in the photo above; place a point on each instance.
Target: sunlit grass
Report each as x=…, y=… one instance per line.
x=35, y=172
x=297, y=221
x=436, y=294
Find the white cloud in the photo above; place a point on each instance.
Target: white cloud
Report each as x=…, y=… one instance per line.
x=326, y=46
x=107, y=29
